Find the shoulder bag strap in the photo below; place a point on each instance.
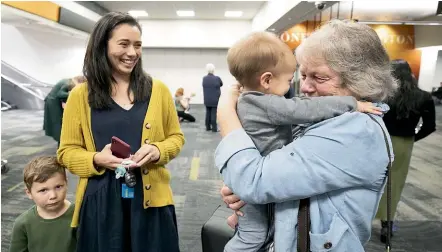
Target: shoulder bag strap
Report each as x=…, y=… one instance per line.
x=303, y=219
x=304, y=208
x=388, y=241
x=304, y=225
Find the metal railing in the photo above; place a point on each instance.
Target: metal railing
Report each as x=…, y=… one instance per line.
x=25, y=87
x=22, y=77
x=22, y=96
x=5, y=106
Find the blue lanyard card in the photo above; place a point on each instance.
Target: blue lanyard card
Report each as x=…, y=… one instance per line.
x=127, y=192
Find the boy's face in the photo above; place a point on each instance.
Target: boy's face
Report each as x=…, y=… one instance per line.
x=49, y=195
x=276, y=84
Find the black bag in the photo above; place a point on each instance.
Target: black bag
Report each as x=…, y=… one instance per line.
x=215, y=233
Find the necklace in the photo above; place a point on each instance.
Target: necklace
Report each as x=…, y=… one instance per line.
x=126, y=106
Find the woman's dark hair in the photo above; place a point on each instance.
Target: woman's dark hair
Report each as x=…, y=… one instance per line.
x=97, y=67
x=408, y=97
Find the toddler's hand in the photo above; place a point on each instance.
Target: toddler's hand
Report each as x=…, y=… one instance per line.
x=368, y=107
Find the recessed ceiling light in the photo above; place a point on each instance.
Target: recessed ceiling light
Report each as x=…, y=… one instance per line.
x=233, y=14
x=185, y=13
x=138, y=13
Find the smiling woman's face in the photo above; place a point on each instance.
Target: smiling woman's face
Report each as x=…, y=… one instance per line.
x=124, y=48
x=319, y=80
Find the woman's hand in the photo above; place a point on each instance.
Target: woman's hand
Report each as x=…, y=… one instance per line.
x=232, y=201
x=146, y=154
x=232, y=221
x=369, y=107
x=226, y=112
x=105, y=159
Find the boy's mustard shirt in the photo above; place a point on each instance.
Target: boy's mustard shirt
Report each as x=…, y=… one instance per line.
x=77, y=148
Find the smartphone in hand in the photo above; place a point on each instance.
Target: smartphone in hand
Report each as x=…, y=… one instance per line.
x=119, y=148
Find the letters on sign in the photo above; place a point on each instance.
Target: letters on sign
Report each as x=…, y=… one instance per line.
x=389, y=35
x=298, y=37
x=396, y=39
x=293, y=36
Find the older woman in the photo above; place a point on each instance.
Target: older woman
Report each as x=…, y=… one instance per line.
x=339, y=164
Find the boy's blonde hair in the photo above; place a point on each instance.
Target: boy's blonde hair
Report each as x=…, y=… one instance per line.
x=40, y=169
x=256, y=54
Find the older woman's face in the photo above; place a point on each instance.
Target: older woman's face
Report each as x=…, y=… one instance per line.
x=320, y=80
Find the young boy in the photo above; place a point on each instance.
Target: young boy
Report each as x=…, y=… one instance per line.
x=45, y=226
x=264, y=66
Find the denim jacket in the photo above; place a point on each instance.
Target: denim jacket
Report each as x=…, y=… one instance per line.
x=339, y=163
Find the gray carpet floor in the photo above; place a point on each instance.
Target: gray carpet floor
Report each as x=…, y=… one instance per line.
x=196, y=183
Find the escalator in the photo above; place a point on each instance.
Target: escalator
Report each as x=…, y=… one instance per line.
x=19, y=90
x=20, y=95
x=7, y=106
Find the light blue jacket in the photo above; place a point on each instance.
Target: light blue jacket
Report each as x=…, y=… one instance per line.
x=339, y=163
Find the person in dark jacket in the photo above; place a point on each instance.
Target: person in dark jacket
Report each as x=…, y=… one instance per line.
x=407, y=107
x=437, y=94
x=54, y=104
x=291, y=93
x=212, y=90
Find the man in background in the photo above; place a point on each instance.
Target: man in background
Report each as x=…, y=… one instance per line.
x=212, y=90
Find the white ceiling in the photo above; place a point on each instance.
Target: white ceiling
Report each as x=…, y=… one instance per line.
x=9, y=16
x=376, y=10
x=22, y=19
x=203, y=9
x=394, y=10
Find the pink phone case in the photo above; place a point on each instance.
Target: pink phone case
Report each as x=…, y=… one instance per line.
x=119, y=148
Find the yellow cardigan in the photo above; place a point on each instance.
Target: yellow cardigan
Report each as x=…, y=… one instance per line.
x=77, y=148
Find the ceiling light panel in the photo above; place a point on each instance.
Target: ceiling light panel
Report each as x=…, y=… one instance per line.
x=233, y=13
x=138, y=13
x=185, y=13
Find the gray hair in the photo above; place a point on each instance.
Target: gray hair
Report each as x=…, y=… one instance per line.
x=210, y=68
x=355, y=52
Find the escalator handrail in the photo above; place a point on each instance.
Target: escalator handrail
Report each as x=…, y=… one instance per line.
x=17, y=84
x=5, y=106
x=35, y=81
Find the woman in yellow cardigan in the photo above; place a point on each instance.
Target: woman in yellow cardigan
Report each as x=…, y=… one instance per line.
x=120, y=100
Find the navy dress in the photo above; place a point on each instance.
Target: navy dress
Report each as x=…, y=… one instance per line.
x=108, y=222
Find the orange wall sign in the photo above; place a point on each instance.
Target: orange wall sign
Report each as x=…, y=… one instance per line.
x=295, y=35
x=43, y=9
x=396, y=37
x=398, y=40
